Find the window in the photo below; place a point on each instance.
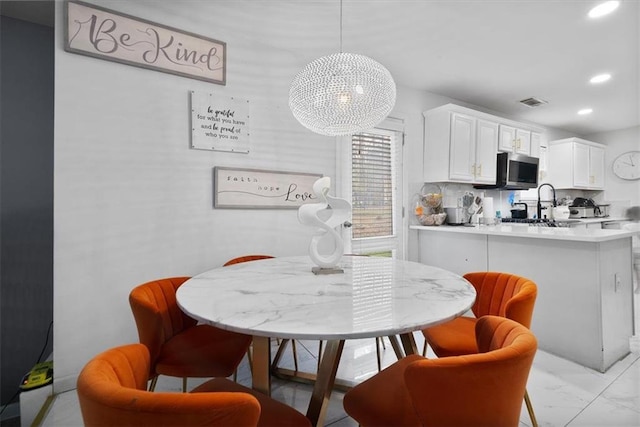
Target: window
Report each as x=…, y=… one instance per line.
x=373, y=184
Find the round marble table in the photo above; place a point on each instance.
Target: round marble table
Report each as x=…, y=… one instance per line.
x=283, y=298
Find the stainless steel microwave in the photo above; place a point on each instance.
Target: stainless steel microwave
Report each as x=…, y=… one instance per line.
x=514, y=172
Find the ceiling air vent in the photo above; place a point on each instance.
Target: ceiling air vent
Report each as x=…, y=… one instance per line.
x=533, y=102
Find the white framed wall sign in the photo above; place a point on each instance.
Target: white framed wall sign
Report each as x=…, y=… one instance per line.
x=239, y=188
x=106, y=34
x=219, y=123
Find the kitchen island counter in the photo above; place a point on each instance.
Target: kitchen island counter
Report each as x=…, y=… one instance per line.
x=584, y=308
x=592, y=235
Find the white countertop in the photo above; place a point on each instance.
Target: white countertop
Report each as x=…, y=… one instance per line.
x=523, y=230
x=599, y=219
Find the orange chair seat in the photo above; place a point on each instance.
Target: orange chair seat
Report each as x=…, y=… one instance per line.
x=483, y=389
x=383, y=403
x=273, y=413
x=111, y=392
x=201, y=351
x=453, y=338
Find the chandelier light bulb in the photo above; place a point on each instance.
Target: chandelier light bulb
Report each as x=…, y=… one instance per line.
x=342, y=94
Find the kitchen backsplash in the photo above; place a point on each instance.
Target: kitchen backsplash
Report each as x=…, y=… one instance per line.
x=502, y=199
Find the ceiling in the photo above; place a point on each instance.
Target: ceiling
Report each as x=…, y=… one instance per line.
x=489, y=53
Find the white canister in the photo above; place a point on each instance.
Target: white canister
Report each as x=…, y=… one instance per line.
x=560, y=212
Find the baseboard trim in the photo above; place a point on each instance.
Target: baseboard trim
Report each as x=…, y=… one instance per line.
x=37, y=421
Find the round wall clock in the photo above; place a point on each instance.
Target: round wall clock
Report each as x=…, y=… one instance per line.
x=627, y=165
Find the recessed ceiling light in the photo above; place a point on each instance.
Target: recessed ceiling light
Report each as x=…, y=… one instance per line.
x=603, y=9
x=585, y=111
x=600, y=78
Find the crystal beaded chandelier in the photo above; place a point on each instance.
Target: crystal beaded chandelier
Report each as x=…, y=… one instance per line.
x=342, y=93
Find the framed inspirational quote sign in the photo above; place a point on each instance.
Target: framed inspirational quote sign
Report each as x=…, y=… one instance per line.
x=102, y=33
x=239, y=188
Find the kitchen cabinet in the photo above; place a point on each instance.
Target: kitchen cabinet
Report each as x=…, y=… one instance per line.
x=461, y=144
x=459, y=148
x=514, y=140
x=537, y=144
x=576, y=163
x=584, y=308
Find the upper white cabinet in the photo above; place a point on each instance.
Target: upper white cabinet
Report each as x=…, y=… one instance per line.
x=459, y=148
x=515, y=140
x=461, y=144
x=537, y=144
x=486, y=150
x=576, y=163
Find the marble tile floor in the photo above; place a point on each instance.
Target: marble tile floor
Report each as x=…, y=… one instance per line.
x=563, y=393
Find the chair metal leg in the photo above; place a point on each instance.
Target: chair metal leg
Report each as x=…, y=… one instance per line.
x=319, y=353
x=295, y=355
x=184, y=385
x=534, y=422
x=152, y=386
x=424, y=349
x=378, y=339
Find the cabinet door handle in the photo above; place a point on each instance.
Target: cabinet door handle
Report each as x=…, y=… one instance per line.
x=473, y=169
x=480, y=170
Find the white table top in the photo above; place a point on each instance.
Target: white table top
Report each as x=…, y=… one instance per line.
x=282, y=298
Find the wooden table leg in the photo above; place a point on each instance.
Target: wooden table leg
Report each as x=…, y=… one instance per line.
x=261, y=375
x=409, y=343
x=324, y=382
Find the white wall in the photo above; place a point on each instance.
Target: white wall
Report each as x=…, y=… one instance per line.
x=133, y=203
x=618, y=190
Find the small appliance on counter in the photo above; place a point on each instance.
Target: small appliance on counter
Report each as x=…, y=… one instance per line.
x=582, y=208
x=561, y=212
x=517, y=213
x=467, y=205
x=456, y=216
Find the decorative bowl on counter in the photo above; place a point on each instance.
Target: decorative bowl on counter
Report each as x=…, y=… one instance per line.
x=432, y=219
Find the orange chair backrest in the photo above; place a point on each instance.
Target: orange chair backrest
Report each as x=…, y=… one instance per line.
x=482, y=389
x=111, y=391
x=246, y=258
x=157, y=314
x=503, y=294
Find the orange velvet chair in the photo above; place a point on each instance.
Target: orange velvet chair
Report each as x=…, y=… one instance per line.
x=177, y=344
x=246, y=258
x=498, y=294
x=483, y=389
x=112, y=392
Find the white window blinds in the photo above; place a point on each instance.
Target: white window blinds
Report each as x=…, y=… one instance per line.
x=373, y=184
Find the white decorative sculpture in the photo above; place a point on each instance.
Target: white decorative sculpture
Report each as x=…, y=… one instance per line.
x=327, y=214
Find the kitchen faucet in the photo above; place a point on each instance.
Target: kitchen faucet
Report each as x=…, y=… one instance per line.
x=540, y=204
